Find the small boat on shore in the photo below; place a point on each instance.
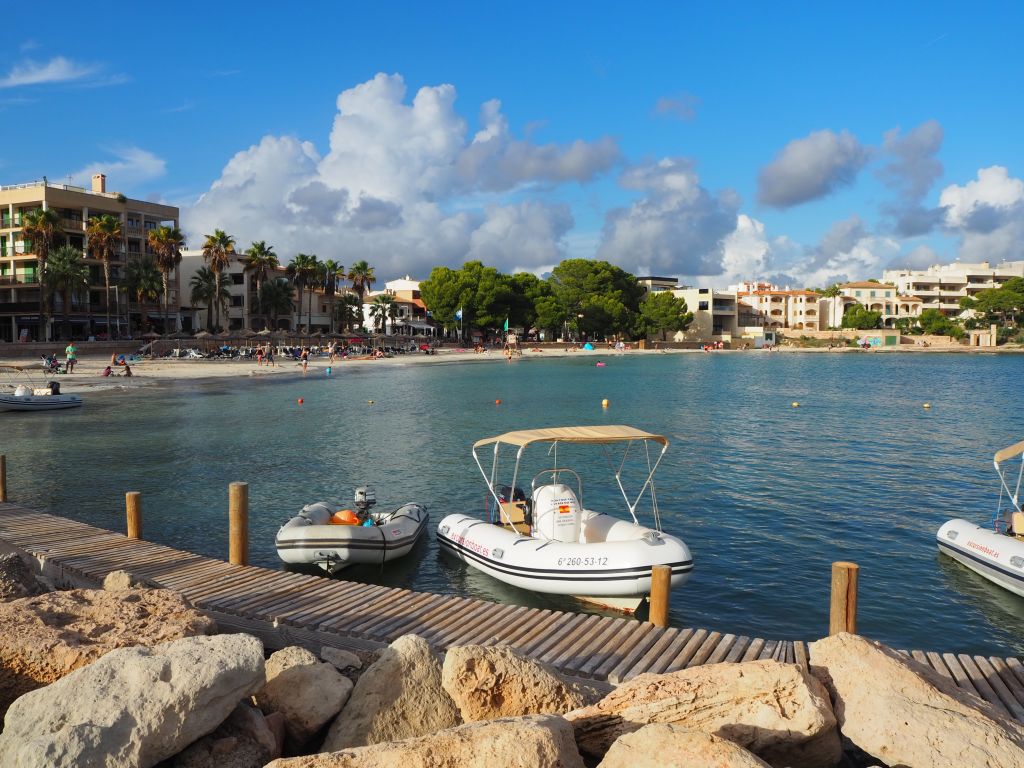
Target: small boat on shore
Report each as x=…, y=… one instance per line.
x=550, y=542
x=995, y=552
x=23, y=393
x=334, y=538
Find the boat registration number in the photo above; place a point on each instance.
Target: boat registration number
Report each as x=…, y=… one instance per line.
x=582, y=561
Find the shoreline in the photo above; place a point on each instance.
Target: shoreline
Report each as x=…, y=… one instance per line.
x=167, y=371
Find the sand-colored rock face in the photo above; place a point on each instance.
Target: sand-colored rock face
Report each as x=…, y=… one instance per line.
x=903, y=713
x=244, y=740
x=17, y=579
x=307, y=691
x=134, y=706
x=663, y=745
x=541, y=741
x=44, y=638
x=777, y=711
x=491, y=682
x=399, y=696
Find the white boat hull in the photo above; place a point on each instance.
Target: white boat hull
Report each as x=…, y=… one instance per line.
x=996, y=556
x=332, y=547
x=603, y=572
x=38, y=402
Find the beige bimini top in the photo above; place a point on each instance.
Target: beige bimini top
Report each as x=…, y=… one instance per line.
x=1008, y=453
x=613, y=433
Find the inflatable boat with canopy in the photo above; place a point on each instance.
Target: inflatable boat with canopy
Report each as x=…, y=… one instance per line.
x=997, y=551
x=547, y=540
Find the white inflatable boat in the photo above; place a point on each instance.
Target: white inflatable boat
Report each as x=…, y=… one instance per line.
x=27, y=396
x=334, y=538
x=549, y=542
x=995, y=552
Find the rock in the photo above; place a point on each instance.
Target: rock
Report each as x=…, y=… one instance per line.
x=244, y=740
x=44, y=638
x=541, y=741
x=491, y=682
x=133, y=707
x=777, y=711
x=342, y=660
x=17, y=579
x=120, y=580
x=306, y=691
x=399, y=696
x=903, y=713
x=663, y=745
x=275, y=722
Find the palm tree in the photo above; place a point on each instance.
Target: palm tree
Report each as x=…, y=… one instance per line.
x=261, y=260
x=42, y=228
x=217, y=252
x=302, y=271
x=166, y=242
x=275, y=299
x=383, y=307
x=350, y=311
x=68, y=274
x=143, y=279
x=206, y=290
x=331, y=271
x=362, y=277
x=105, y=234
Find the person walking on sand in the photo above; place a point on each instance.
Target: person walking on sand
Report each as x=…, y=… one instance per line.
x=269, y=357
x=72, y=352
x=305, y=359
x=332, y=348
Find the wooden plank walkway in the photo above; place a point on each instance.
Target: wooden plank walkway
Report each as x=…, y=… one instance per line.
x=290, y=608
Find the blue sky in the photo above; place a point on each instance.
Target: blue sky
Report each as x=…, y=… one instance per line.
x=804, y=142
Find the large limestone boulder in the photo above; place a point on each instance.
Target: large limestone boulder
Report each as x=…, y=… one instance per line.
x=306, y=691
x=135, y=706
x=17, y=579
x=399, y=696
x=903, y=713
x=44, y=638
x=541, y=741
x=777, y=711
x=491, y=682
x=664, y=745
x=244, y=740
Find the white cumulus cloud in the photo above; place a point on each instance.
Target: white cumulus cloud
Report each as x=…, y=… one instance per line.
x=810, y=168
x=988, y=214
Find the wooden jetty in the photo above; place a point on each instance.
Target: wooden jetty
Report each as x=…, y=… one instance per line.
x=295, y=609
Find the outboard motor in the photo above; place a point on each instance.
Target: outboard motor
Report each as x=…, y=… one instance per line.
x=556, y=513
x=54, y=387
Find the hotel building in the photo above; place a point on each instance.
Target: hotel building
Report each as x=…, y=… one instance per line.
x=942, y=286
x=19, y=269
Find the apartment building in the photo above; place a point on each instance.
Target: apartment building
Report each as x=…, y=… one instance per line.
x=883, y=298
x=19, y=269
x=413, y=318
x=943, y=285
x=714, y=314
x=778, y=307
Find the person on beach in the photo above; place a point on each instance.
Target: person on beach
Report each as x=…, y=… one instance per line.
x=127, y=370
x=113, y=358
x=107, y=371
x=332, y=349
x=305, y=359
x=270, y=357
x=259, y=356
x=72, y=352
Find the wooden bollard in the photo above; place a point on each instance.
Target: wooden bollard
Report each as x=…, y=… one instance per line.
x=3, y=477
x=133, y=505
x=238, y=521
x=661, y=585
x=843, y=608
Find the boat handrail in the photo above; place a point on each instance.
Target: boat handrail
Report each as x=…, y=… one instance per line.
x=556, y=471
x=1014, y=496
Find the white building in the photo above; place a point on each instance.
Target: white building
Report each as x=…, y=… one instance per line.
x=943, y=285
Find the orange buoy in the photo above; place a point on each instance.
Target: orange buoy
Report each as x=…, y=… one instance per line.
x=301, y=401
x=497, y=402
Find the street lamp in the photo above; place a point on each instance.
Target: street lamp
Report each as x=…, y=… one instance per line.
x=579, y=323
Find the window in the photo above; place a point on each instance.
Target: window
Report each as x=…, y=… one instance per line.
x=857, y=294
x=236, y=301
x=872, y=294
x=702, y=305
x=237, y=279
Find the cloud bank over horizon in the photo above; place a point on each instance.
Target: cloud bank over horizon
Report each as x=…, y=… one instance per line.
x=408, y=185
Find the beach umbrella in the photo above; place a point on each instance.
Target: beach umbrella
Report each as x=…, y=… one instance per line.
x=264, y=332
x=151, y=335
x=203, y=335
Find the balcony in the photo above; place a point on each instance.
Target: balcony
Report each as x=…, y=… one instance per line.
x=19, y=280
x=7, y=222
x=20, y=307
x=75, y=225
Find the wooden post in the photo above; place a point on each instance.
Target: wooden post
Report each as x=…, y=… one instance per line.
x=843, y=608
x=238, y=520
x=3, y=477
x=133, y=503
x=661, y=585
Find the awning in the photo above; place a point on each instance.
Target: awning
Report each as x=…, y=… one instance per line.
x=422, y=325
x=595, y=435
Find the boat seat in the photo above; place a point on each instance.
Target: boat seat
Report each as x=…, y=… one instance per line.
x=1017, y=524
x=515, y=511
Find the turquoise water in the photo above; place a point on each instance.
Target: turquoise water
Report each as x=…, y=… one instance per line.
x=766, y=495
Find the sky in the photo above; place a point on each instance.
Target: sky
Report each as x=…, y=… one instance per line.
x=804, y=143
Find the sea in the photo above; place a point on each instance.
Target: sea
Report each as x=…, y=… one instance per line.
x=778, y=465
